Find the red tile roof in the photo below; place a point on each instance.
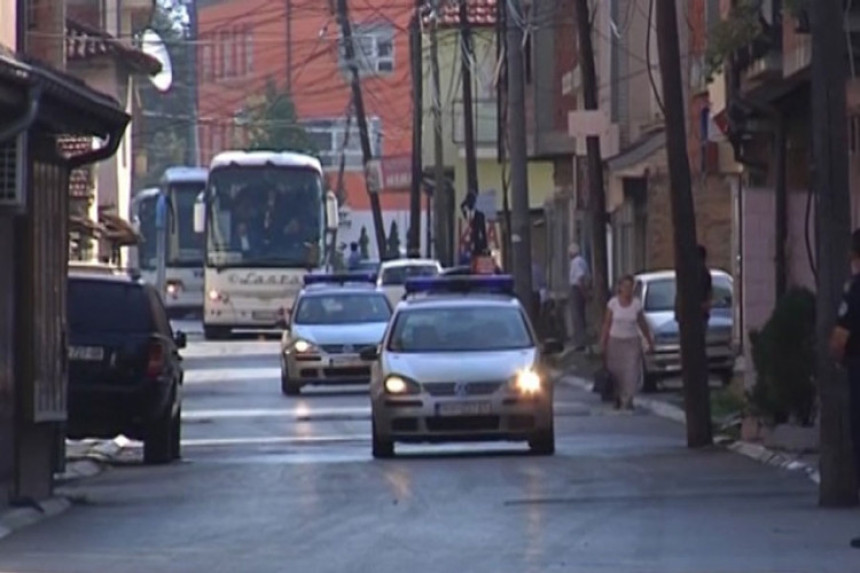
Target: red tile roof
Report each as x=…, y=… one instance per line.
x=481, y=13
x=84, y=42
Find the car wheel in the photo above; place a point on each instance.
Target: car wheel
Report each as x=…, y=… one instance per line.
x=216, y=333
x=158, y=445
x=176, y=435
x=289, y=388
x=543, y=443
x=381, y=448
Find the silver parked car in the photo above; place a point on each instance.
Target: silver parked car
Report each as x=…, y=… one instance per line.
x=332, y=320
x=657, y=291
x=460, y=361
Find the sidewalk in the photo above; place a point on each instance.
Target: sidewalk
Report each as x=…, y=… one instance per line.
x=577, y=369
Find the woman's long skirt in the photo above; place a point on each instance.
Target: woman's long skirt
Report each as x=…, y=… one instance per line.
x=624, y=362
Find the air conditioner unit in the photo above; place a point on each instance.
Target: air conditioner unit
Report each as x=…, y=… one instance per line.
x=13, y=192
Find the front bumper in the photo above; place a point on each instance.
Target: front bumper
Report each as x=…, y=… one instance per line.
x=422, y=418
x=322, y=369
x=184, y=300
x=230, y=315
x=666, y=359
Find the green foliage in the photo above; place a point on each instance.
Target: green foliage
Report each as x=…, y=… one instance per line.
x=163, y=133
x=739, y=29
x=274, y=125
x=394, y=241
x=783, y=353
x=364, y=243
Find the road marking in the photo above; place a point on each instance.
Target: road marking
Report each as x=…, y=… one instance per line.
x=272, y=440
x=299, y=413
x=197, y=376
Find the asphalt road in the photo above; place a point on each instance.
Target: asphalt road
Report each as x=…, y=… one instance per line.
x=270, y=483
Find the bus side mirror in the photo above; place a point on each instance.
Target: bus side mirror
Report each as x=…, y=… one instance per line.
x=199, y=216
x=332, y=215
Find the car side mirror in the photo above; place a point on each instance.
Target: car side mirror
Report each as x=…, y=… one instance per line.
x=199, y=215
x=552, y=346
x=332, y=212
x=180, y=339
x=369, y=353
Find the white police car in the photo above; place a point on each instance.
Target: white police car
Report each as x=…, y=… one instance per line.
x=333, y=319
x=460, y=361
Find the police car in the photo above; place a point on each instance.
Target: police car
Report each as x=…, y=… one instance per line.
x=333, y=318
x=460, y=361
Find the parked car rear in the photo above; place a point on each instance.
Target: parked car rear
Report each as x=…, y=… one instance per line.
x=125, y=372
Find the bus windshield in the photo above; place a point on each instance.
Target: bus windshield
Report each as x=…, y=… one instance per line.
x=185, y=248
x=264, y=216
x=147, y=249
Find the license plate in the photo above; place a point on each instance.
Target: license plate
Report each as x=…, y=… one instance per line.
x=344, y=360
x=86, y=353
x=264, y=315
x=464, y=408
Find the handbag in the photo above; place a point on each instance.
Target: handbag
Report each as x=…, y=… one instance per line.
x=604, y=384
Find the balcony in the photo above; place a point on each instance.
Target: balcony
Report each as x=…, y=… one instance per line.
x=486, y=121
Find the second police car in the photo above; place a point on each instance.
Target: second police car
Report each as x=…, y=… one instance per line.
x=333, y=318
x=460, y=361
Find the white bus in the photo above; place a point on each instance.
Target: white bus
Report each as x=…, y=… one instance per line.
x=265, y=215
x=184, y=264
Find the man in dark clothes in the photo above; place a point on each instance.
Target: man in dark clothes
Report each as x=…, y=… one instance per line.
x=845, y=347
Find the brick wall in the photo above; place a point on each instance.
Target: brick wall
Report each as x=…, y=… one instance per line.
x=713, y=202
x=45, y=29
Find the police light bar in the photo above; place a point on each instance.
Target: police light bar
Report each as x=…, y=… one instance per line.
x=339, y=278
x=453, y=284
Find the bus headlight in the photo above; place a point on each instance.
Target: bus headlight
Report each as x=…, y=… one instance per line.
x=173, y=287
x=527, y=382
x=216, y=296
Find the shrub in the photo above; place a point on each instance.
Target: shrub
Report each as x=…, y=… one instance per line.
x=783, y=353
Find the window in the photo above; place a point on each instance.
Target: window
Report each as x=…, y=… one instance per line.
x=249, y=52
x=398, y=275
x=460, y=329
x=216, y=139
x=107, y=306
x=206, y=58
x=343, y=309
x=239, y=52
x=227, y=53
x=374, y=49
x=328, y=137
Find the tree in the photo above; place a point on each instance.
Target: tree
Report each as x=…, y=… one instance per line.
x=161, y=135
x=364, y=243
x=393, y=241
x=274, y=124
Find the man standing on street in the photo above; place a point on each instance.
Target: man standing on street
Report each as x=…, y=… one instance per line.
x=354, y=257
x=579, y=275
x=845, y=347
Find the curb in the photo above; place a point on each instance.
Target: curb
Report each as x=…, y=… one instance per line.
x=21, y=517
x=752, y=451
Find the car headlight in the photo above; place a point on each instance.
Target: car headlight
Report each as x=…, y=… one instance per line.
x=304, y=347
x=401, y=386
x=528, y=382
x=216, y=296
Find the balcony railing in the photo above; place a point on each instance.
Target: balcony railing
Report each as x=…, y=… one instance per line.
x=486, y=122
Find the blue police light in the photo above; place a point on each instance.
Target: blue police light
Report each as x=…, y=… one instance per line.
x=339, y=278
x=453, y=284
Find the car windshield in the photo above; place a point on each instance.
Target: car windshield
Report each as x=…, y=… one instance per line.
x=661, y=294
x=398, y=275
x=351, y=308
x=145, y=215
x=264, y=217
x=460, y=329
x=100, y=306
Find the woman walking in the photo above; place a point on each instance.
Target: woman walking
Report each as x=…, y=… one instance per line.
x=621, y=343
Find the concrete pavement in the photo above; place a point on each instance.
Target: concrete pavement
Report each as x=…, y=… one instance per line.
x=275, y=484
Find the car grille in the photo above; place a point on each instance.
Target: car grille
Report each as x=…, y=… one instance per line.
x=344, y=348
x=463, y=424
x=471, y=388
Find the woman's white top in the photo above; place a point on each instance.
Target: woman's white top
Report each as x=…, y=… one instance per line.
x=625, y=319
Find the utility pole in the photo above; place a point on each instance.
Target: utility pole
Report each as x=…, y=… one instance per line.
x=192, y=152
x=413, y=241
x=361, y=119
x=466, y=59
x=695, y=371
x=520, y=219
x=442, y=202
x=838, y=486
x=596, y=196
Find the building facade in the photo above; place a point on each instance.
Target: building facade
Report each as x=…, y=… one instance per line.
x=246, y=44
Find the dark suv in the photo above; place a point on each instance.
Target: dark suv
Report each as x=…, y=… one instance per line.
x=125, y=372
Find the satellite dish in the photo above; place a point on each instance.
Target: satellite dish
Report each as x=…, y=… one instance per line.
x=153, y=46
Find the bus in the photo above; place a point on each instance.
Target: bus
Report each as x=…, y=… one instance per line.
x=184, y=263
x=265, y=217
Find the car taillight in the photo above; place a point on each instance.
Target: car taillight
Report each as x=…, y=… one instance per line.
x=155, y=360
